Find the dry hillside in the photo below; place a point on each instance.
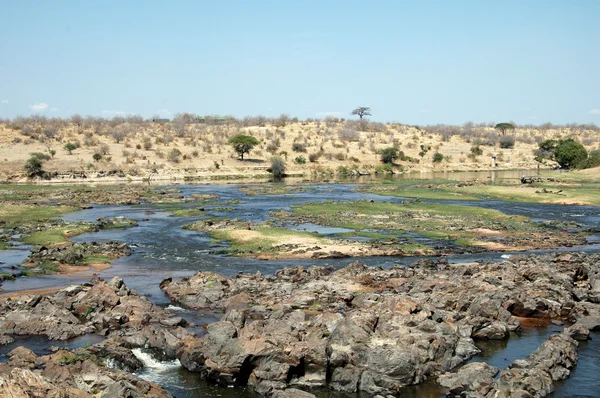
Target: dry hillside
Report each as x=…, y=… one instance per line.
x=174, y=149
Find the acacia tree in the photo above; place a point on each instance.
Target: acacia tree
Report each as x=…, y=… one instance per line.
x=504, y=127
x=243, y=144
x=362, y=111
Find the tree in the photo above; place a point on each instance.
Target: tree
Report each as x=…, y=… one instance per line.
x=390, y=154
x=33, y=166
x=362, y=111
x=504, y=127
x=243, y=144
x=70, y=147
x=570, y=153
x=277, y=167
x=567, y=153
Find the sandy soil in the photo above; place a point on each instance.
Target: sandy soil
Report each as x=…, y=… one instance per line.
x=305, y=247
x=205, y=147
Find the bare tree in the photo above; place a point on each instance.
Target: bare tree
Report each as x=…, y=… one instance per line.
x=362, y=111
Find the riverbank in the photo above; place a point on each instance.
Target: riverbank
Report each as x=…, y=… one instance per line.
x=148, y=151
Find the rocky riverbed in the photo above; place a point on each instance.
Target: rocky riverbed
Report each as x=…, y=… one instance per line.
x=378, y=330
x=356, y=329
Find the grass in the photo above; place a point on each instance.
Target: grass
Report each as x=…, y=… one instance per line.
x=95, y=259
x=572, y=192
x=188, y=213
x=16, y=215
x=464, y=226
x=55, y=235
x=269, y=236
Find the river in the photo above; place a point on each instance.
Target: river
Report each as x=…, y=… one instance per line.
x=162, y=249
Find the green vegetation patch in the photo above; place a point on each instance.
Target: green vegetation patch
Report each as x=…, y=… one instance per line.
x=17, y=215
x=95, y=259
x=56, y=235
x=539, y=192
x=465, y=226
x=260, y=240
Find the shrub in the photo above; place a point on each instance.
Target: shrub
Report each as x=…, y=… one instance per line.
x=300, y=160
x=507, y=142
x=174, y=155
x=340, y=156
x=389, y=155
x=593, y=159
x=147, y=143
x=97, y=156
x=347, y=134
x=437, y=157
x=277, y=167
x=313, y=157
x=70, y=147
x=33, y=166
x=476, y=150
x=298, y=147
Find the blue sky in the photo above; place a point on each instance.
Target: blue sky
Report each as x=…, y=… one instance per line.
x=420, y=62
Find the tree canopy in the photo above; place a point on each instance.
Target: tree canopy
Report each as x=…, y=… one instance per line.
x=567, y=153
x=504, y=127
x=243, y=144
x=362, y=111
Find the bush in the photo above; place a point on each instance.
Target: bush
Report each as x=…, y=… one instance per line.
x=389, y=155
x=570, y=153
x=33, y=166
x=277, y=167
x=70, y=147
x=593, y=159
x=298, y=147
x=507, y=142
x=313, y=157
x=174, y=155
x=97, y=157
x=437, y=157
x=476, y=150
x=300, y=160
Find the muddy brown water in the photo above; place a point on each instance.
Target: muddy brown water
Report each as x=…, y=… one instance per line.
x=162, y=249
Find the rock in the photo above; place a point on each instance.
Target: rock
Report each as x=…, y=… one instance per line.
x=375, y=330
x=578, y=331
x=4, y=339
x=474, y=377
x=292, y=393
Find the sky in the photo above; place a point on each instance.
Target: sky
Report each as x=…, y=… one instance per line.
x=414, y=62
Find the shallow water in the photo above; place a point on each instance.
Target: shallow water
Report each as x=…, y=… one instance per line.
x=162, y=249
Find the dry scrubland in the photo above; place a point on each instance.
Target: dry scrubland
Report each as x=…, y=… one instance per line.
x=186, y=147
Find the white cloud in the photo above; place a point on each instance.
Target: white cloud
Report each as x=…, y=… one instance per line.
x=329, y=113
x=4, y=102
x=41, y=107
x=595, y=111
x=164, y=113
x=116, y=113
